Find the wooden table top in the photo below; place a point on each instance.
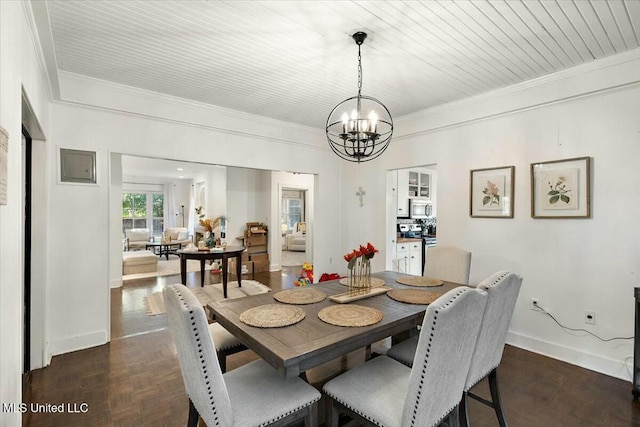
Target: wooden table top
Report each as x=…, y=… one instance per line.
x=228, y=251
x=311, y=342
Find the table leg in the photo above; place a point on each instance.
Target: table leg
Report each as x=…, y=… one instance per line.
x=225, y=274
x=183, y=270
x=166, y=252
x=239, y=268
x=202, y=273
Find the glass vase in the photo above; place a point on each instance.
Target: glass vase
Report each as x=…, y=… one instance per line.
x=360, y=276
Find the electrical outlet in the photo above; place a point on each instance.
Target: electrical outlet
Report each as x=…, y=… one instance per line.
x=535, y=303
x=590, y=317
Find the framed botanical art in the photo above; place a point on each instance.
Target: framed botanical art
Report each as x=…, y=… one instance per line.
x=491, y=192
x=561, y=188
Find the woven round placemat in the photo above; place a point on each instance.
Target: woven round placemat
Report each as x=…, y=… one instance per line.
x=350, y=315
x=272, y=315
x=375, y=282
x=300, y=296
x=419, y=281
x=414, y=296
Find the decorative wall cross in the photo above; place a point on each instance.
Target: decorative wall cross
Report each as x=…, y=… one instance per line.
x=360, y=195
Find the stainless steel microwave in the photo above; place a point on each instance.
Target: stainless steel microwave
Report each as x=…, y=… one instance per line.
x=419, y=208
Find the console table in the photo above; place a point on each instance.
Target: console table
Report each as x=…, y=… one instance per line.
x=202, y=256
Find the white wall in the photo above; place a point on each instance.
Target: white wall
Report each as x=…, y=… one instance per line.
x=571, y=265
x=20, y=70
x=115, y=221
x=246, y=200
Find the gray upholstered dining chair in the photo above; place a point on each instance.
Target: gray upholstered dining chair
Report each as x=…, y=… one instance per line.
x=385, y=392
x=252, y=395
x=448, y=263
x=503, y=288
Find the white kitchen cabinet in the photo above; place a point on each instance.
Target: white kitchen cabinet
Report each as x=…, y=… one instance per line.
x=403, y=193
x=409, y=257
x=419, y=185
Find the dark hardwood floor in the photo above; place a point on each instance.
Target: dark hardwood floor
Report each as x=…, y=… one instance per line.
x=135, y=380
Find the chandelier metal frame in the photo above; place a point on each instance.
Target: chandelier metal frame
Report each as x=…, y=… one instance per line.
x=354, y=137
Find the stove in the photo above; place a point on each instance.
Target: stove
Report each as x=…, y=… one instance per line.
x=410, y=231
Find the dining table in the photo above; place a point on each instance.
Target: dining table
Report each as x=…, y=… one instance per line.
x=294, y=349
x=219, y=253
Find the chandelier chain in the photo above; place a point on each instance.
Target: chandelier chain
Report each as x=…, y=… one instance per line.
x=359, y=72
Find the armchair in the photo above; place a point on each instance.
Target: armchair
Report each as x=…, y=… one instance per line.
x=137, y=238
x=179, y=235
x=297, y=241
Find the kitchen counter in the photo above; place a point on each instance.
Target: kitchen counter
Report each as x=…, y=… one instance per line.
x=408, y=239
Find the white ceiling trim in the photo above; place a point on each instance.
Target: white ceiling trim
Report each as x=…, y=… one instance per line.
x=138, y=102
x=39, y=28
x=527, y=95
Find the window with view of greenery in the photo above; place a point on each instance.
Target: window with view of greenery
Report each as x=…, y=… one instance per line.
x=143, y=210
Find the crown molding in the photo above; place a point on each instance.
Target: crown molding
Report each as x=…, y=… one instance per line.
x=542, y=91
x=37, y=17
x=127, y=100
x=176, y=101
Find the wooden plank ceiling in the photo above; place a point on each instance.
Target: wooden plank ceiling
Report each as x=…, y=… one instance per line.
x=295, y=60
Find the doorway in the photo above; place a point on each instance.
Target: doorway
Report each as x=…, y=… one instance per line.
x=410, y=229
x=34, y=214
x=27, y=154
x=293, y=226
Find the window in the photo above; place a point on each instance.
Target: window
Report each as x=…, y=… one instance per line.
x=292, y=208
x=143, y=210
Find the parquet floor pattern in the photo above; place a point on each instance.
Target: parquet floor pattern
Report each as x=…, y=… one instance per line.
x=135, y=379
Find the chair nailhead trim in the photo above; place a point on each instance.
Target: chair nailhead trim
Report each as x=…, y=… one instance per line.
x=425, y=362
x=292, y=411
x=201, y=356
x=363, y=415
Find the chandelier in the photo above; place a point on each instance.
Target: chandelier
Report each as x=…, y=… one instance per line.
x=359, y=128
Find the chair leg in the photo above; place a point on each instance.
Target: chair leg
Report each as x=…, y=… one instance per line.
x=193, y=415
x=495, y=397
x=311, y=419
x=454, y=417
x=331, y=412
x=222, y=360
x=464, y=411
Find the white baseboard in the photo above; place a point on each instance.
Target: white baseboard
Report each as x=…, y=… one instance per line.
x=67, y=345
x=611, y=367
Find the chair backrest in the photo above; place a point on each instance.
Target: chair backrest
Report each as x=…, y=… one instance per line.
x=503, y=288
x=201, y=372
x=443, y=355
x=138, y=234
x=448, y=263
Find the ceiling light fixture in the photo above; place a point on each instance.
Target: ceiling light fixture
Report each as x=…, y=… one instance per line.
x=359, y=128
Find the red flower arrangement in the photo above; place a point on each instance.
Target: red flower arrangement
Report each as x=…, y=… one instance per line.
x=364, y=251
x=360, y=260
